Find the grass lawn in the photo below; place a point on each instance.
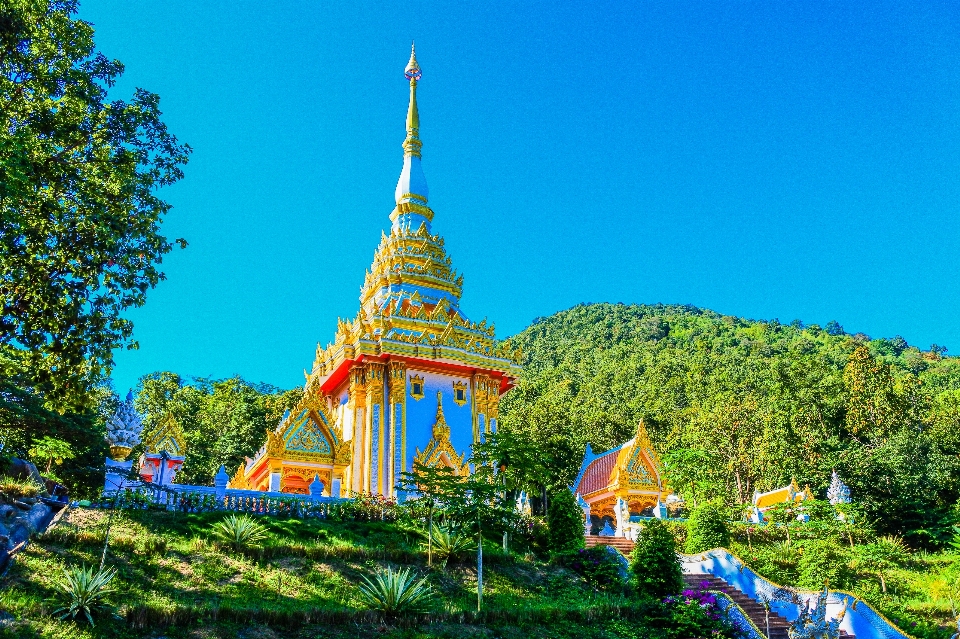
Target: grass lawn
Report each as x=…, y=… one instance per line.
x=174, y=582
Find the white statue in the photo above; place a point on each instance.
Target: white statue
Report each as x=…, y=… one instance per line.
x=622, y=513
x=124, y=428
x=585, y=507
x=838, y=493
x=815, y=625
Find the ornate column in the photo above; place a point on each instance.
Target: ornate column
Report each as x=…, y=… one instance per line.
x=375, y=419
x=397, y=421
x=480, y=384
x=493, y=405
x=356, y=411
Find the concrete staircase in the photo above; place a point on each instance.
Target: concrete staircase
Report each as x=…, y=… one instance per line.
x=751, y=607
x=622, y=544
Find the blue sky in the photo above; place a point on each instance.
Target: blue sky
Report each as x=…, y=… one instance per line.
x=789, y=160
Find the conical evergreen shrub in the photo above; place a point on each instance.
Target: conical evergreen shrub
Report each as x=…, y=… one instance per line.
x=654, y=564
x=707, y=528
x=564, y=522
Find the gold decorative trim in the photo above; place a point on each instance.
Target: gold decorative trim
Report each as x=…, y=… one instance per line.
x=166, y=436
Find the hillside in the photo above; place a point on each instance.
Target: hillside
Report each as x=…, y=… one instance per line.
x=174, y=581
x=737, y=405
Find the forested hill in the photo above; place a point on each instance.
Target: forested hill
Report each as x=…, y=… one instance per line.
x=736, y=405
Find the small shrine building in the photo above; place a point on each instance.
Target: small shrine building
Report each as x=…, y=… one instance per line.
x=629, y=475
x=411, y=378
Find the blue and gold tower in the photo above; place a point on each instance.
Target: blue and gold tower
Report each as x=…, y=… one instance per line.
x=410, y=378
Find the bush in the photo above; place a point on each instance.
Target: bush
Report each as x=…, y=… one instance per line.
x=654, y=562
x=239, y=531
x=447, y=544
x=564, y=522
x=822, y=562
x=396, y=591
x=598, y=566
x=707, y=528
x=696, y=613
x=85, y=590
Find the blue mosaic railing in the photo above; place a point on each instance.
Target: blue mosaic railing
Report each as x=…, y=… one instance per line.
x=860, y=619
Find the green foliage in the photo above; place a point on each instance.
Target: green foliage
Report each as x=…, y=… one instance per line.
x=80, y=240
x=51, y=450
x=446, y=543
x=565, y=522
x=735, y=406
x=239, y=531
x=223, y=421
x=823, y=561
x=654, y=563
x=396, y=591
x=598, y=566
x=84, y=591
x=708, y=528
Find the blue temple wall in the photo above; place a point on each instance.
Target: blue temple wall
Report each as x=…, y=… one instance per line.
x=422, y=413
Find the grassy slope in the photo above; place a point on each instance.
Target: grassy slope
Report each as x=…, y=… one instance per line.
x=174, y=583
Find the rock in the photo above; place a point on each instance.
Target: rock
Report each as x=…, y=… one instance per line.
x=6, y=620
x=22, y=469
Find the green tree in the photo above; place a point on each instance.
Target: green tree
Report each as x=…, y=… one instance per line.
x=565, y=523
x=708, y=528
x=80, y=239
x=654, y=563
x=52, y=450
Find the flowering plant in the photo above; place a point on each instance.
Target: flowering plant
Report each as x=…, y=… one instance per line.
x=698, y=613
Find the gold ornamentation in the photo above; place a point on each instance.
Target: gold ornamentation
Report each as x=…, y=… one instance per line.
x=239, y=481
x=120, y=453
x=167, y=436
x=439, y=449
x=459, y=393
x=398, y=382
x=416, y=387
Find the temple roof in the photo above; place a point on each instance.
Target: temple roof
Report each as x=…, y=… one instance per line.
x=633, y=466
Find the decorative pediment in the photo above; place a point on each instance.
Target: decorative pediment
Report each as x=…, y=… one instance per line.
x=167, y=436
x=439, y=449
x=638, y=466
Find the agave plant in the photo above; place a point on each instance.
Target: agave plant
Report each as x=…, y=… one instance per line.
x=396, y=591
x=239, y=531
x=447, y=543
x=85, y=590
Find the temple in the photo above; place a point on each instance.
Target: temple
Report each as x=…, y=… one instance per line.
x=621, y=483
x=409, y=379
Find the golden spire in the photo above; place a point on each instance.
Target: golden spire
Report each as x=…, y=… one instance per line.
x=412, y=144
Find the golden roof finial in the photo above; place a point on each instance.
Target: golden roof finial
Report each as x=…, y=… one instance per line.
x=412, y=144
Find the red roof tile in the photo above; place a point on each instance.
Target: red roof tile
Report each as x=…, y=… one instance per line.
x=597, y=475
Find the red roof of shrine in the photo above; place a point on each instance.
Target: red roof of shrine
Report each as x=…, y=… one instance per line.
x=597, y=475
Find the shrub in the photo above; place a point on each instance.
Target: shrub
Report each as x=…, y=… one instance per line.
x=392, y=591
x=822, y=562
x=239, y=531
x=447, y=544
x=707, y=528
x=599, y=566
x=84, y=590
x=564, y=522
x=654, y=562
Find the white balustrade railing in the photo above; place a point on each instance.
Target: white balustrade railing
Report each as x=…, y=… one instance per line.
x=860, y=619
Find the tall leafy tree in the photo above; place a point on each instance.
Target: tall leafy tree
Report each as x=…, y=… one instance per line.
x=80, y=238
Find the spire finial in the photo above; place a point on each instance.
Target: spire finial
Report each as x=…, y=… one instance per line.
x=412, y=144
x=412, y=185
